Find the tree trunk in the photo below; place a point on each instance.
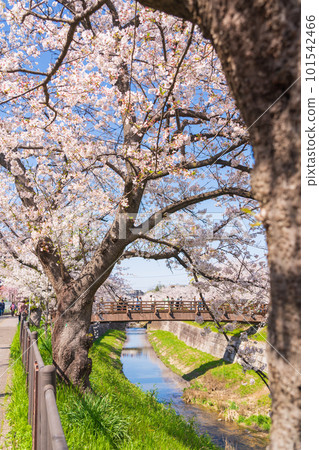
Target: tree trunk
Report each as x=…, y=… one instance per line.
x=35, y=317
x=258, y=44
x=70, y=339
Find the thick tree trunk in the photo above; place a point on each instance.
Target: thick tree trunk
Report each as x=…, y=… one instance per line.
x=258, y=44
x=70, y=339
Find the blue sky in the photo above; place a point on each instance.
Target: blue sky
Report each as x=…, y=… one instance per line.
x=145, y=274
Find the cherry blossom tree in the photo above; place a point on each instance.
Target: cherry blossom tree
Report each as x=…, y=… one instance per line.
x=112, y=118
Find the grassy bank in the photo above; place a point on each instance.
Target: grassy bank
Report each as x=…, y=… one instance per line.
x=20, y=435
x=215, y=383
x=116, y=415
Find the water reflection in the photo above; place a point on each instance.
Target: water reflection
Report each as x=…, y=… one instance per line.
x=142, y=367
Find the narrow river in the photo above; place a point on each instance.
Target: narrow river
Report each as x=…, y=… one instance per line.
x=142, y=367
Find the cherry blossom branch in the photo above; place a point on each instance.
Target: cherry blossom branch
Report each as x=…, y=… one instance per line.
x=147, y=255
x=115, y=169
x=26, y=192
x=234, y=165
x=52, y=264
x=171, y=90
x=21, y=70
x=73, y=24
x=15, y=255
x=159, y=26
x=46, y=18
x=155, y=218
x=180, y=249
x=203, y=163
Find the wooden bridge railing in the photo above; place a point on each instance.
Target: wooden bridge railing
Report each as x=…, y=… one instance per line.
x=43, y=415
x=111, y=307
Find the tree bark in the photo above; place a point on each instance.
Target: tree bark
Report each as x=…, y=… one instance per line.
x=35, y=317
x=258, y=44
x=70, y=339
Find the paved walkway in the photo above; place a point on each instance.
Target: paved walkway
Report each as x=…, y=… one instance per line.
x=8, y=327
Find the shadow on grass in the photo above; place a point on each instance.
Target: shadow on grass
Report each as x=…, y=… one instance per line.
x=4, y=394
x=110, y=352
x=201, y=370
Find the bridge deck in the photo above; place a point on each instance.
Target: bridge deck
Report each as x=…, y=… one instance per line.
x=176, y=311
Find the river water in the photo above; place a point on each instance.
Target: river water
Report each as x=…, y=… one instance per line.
x=142, y=367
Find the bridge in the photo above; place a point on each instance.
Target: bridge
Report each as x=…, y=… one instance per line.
x=144, y=311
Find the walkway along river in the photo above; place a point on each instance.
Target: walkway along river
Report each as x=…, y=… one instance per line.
x=142, y=367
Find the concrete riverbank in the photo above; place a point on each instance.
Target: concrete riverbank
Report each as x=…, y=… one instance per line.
x=214, y=343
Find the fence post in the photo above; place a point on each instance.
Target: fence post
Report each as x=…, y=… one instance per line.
x=31, y=361
x=25, y=343
x=21, y=327
x=27, y=353
x=47, y=375
x=22, y=339
x=56, y=435
x=35, y=411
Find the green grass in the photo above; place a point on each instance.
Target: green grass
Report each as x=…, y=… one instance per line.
x=188, y=355
x=237, y=330
x=116, y=415
x=264, y=401
x=90, y=421
x=233, y=406
x=261, y=421
x=20, y=435
x=151, y=425
x=231, y=374
x=260, y=336
x=239, y=387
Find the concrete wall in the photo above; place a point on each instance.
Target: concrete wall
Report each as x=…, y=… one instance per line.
x=98, y=329
x=213, y=343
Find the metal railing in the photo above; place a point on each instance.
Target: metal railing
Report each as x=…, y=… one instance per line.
x=43, y=415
